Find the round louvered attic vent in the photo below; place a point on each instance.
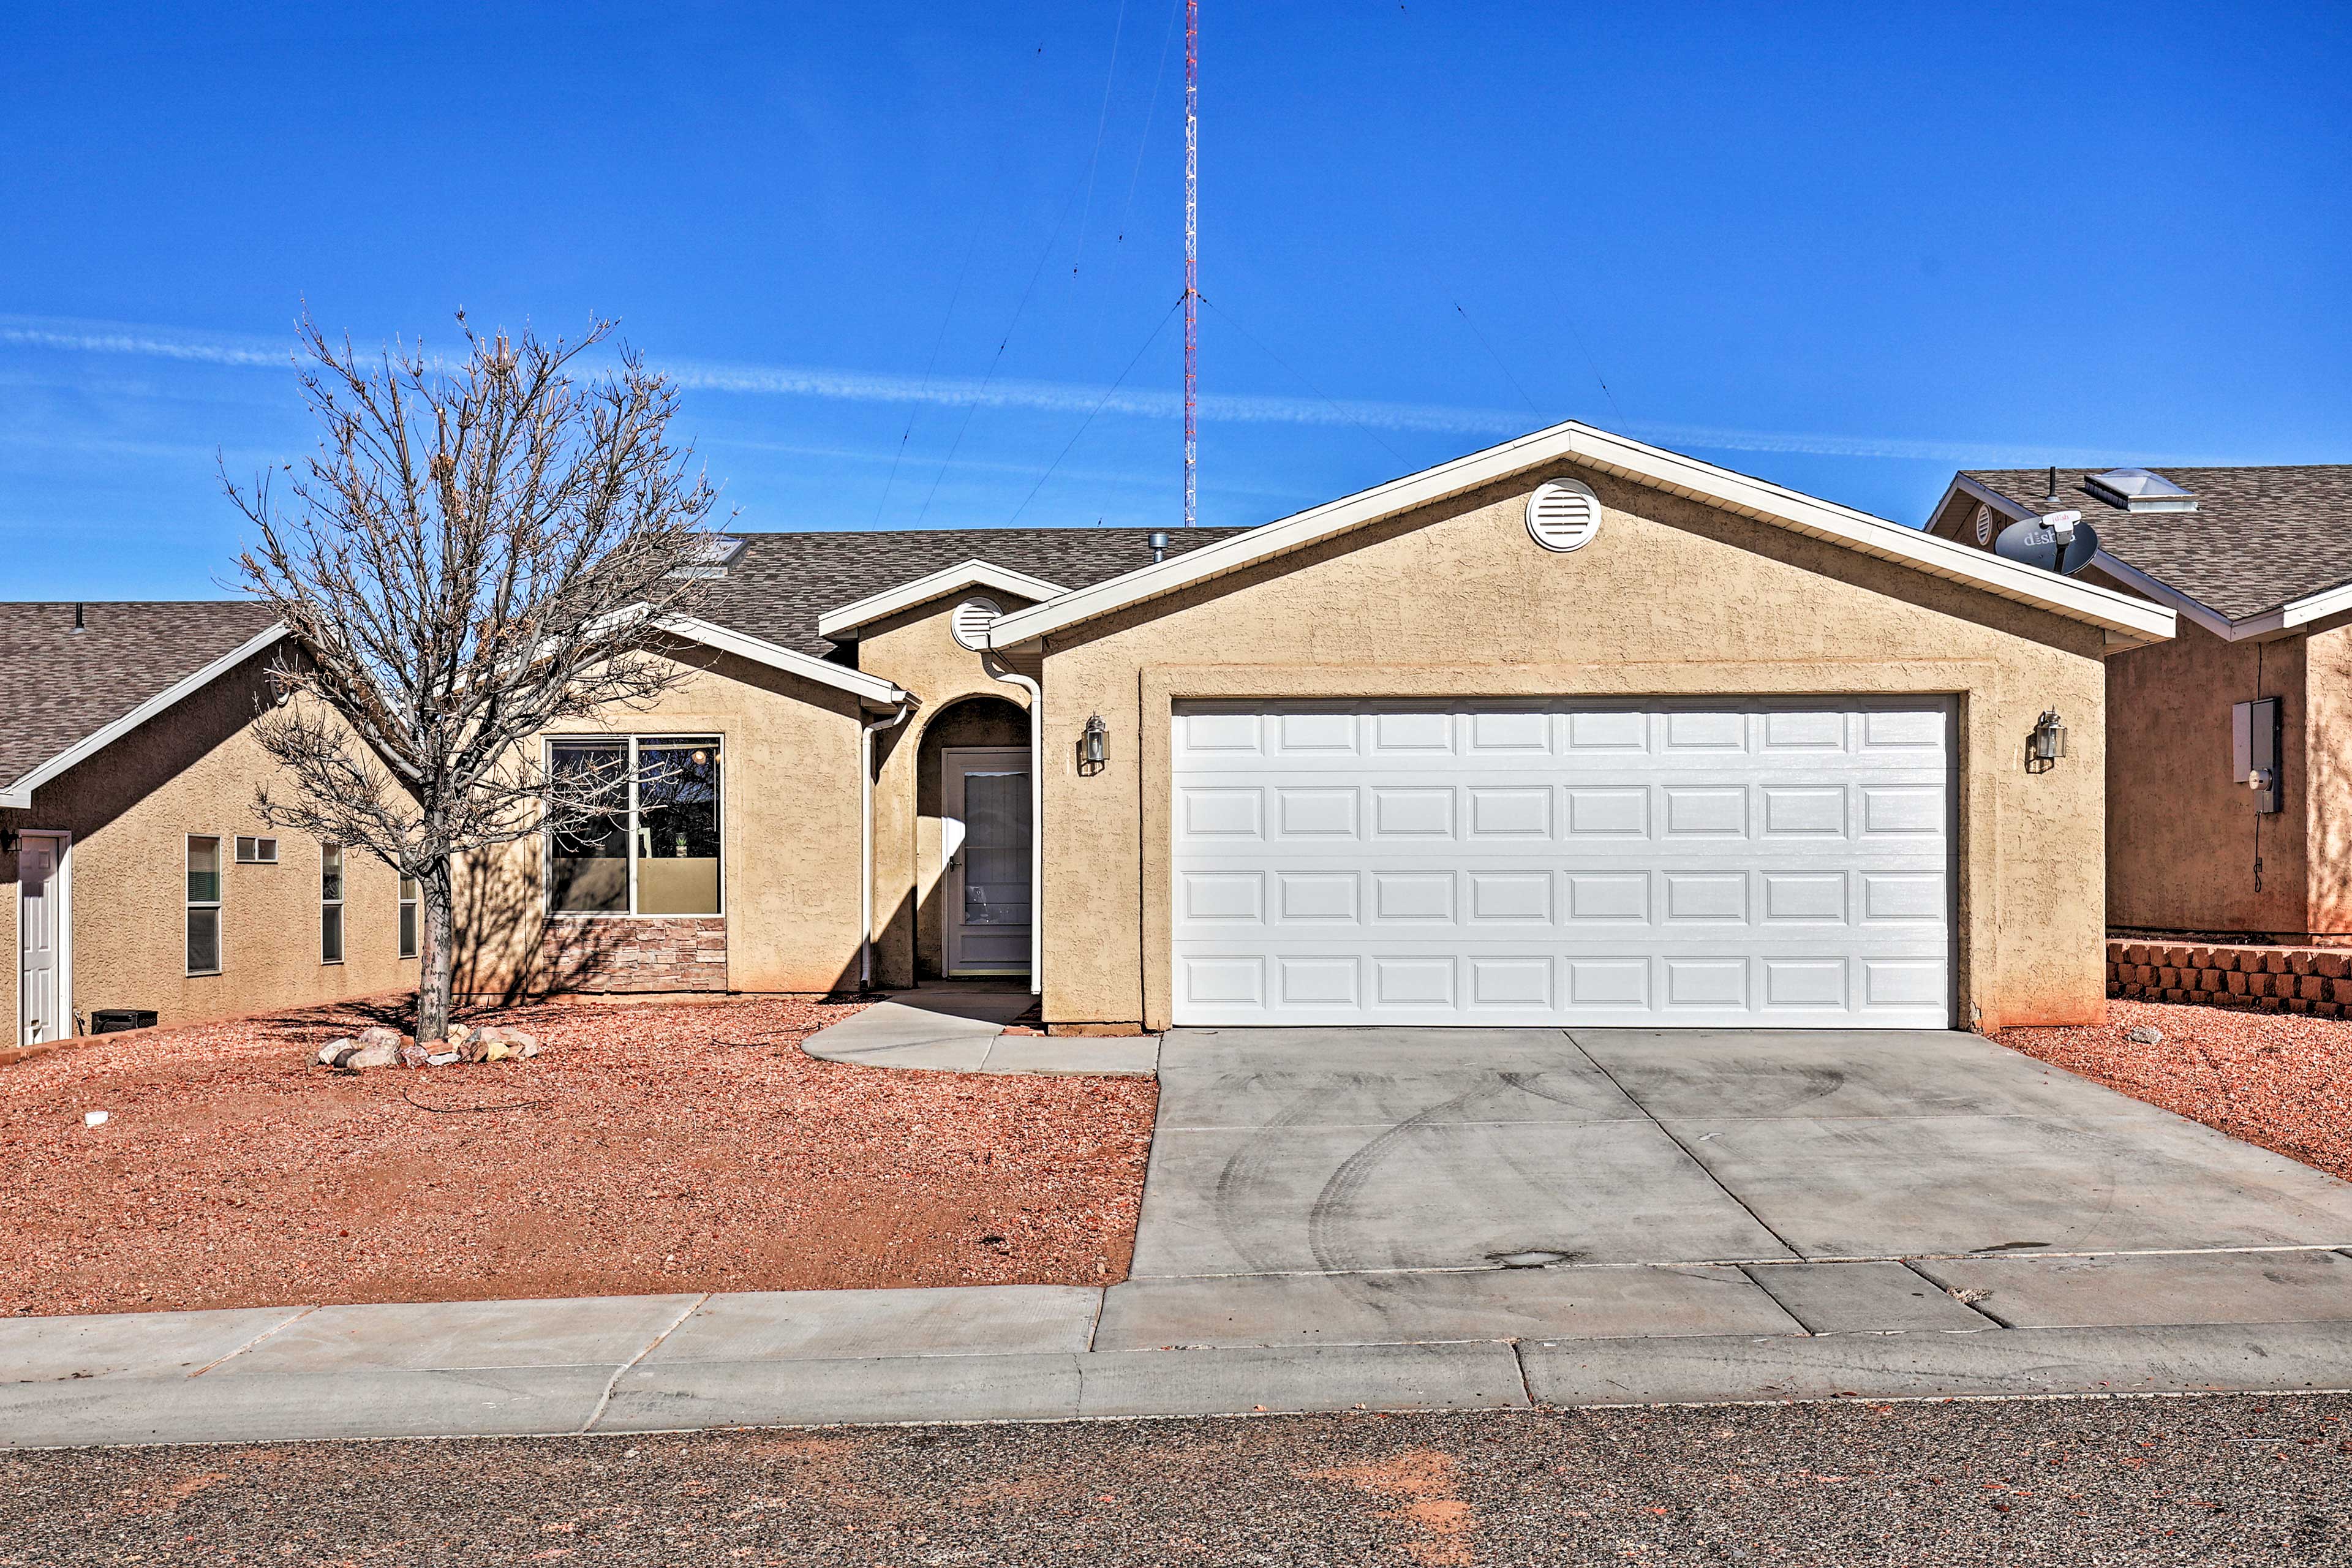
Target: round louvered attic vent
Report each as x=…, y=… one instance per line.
x=972, y=620
x=1984, y=525
x=1563, y=514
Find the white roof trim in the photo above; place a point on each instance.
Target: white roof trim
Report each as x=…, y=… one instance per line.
x=1627, y=458
x=20, y=795
x=871, y=689
x=841, y=624
x=2270, y=623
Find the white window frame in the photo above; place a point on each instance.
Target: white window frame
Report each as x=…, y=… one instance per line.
x=343, y=890
x=717, y=742
x=222, y=848
x=408, y=925
x=256, y=857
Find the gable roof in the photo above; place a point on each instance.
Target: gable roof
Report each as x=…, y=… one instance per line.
x=1628, y=460
x=871, y=690
x=842, y=624
x=783, y=584
x=2262, y=538
x=71, y=692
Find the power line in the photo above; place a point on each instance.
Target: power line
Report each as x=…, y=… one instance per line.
x=1035, y=273
x=1309, y=385
x=971, y=248
x=1157, y=327
x=1102, y=122
x=998, y=358
x=1497, y=358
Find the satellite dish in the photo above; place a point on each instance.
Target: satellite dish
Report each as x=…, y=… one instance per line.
x=2060, y=542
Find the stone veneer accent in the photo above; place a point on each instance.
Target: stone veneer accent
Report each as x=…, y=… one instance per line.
x=2316, y=980
x=639, y=952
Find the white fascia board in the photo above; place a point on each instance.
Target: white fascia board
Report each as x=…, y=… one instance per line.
x=842, y=623
x=2210, y=619
x=870, y=688
x=2270, y=623
x=20, y=795
x=2316, y=606
x=1627, y=458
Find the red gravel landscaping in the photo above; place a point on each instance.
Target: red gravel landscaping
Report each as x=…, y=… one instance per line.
x=2277, y=1080
x=654, y=1148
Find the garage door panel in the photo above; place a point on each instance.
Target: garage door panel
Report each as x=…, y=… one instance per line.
x=1542, y=862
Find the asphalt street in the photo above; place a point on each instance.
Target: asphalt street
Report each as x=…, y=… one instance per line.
x=2223, y=1480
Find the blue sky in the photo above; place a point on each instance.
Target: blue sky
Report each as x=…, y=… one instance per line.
x=899, y=255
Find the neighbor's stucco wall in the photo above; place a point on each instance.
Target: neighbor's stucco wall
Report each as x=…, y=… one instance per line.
x=130, y=808
x=2326, y=778
x=788, y=835
x=917, y=649
x=1672, y=597
x=2181, y=832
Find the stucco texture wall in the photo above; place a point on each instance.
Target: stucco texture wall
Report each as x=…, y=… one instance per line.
x=2327, y=780
x=2182, y=834
x=1673, y=597
x=963, y=705
x=130, y=809
x=789, y=847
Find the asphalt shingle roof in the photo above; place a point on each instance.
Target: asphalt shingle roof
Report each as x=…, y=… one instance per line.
x=782, y=582
x=57, y=685
x=2259, y=538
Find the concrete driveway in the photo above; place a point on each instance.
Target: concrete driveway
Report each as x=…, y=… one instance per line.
x=1345, y=1151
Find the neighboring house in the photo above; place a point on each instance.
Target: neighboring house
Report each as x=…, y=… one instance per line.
x=1569, y=732
x=132, y=873
x=2258, y=563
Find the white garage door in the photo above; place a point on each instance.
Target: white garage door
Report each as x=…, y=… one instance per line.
x=1653, y=863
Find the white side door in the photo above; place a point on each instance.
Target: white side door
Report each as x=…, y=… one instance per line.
x=984, y=831
x=1660, y=863
x=44, y=1008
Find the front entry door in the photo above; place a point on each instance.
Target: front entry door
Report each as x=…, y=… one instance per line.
x=44, y=1008
x=984, y=841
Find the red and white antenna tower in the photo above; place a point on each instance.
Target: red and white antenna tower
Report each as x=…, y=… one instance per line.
x=1191, y=253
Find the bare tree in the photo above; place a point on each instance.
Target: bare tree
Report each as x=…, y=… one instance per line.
x=475, y=553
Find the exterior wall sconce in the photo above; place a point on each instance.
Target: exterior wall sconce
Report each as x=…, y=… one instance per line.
x=7, y=841
x=1090, y=746
x=2047, y=744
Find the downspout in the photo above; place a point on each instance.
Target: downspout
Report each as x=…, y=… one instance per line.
x=867, y=730
x=996, y=667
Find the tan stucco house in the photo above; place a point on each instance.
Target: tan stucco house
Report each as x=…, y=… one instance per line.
x=1571, y=731
x=2228, y=748
x=133, y=876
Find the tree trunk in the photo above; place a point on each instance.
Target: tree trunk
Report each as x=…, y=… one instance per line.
x=434, y=967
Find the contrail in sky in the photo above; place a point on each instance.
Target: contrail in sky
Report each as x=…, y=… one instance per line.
x=838, y=385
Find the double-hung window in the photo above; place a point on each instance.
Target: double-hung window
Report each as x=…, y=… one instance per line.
x=204, y=905
x=330, y=903
x=408, y=917
x=651, y=846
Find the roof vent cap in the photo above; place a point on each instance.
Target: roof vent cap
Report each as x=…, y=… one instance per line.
x=2137, y=489
x=1563, y=514
x=972, y=620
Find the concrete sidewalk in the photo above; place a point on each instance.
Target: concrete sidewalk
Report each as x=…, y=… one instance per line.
x=2269, y=1321
x=958, y=1028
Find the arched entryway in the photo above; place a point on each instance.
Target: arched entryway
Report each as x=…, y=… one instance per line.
x=969, y=911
